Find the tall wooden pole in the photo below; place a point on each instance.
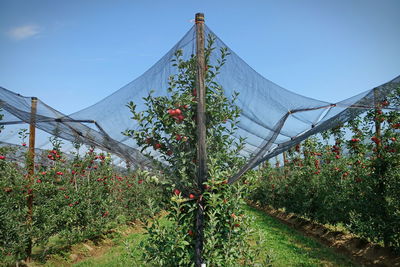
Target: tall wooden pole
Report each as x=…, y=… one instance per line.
x=377, y=122
x=201, y=135
x=284, y=164
x=31, y=170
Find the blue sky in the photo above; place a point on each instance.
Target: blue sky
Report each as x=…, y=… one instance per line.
x=72, y=54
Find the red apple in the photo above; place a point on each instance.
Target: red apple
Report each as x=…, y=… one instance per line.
x=157, y=146
x=375, y=139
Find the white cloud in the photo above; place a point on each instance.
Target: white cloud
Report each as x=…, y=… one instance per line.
x=23, y=32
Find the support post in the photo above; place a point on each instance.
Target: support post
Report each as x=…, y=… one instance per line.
x=201, y=135
x=277, y=163
x=377, y=122
x=31, y=171
x=285, y=171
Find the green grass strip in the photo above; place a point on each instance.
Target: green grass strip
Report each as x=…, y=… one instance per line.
x=290, y=248
x=287, y=247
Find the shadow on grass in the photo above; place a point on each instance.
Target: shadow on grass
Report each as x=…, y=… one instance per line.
x=61, y=248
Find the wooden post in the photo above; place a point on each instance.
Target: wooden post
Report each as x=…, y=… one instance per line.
x=284, y=164
x=377, y=122
x=277, y=163
x=201, y=135
x=31, y=170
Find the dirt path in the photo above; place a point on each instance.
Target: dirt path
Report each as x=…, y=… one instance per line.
x=359, y=250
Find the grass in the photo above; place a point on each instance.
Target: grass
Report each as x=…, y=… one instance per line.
x=286, y=246
x=126, y=252
x=109, y=250
x=290, y=248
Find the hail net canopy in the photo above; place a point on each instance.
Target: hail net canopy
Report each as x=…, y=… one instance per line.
x=272, y=120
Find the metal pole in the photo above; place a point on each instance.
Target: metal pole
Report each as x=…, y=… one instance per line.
x=201, y=135
x=31, y=170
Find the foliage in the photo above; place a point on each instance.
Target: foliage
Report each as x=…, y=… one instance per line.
x=349, y=176
x=168, y=125
x=227, y=232
x=74, y=200
x=13, y=209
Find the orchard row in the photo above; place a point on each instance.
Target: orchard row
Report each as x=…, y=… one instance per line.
x=72, y=199
x=348, y=175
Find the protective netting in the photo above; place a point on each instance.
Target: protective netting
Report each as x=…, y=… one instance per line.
x=16, y=110
x=272, y=120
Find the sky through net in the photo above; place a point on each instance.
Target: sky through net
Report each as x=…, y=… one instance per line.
x=272, y=119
